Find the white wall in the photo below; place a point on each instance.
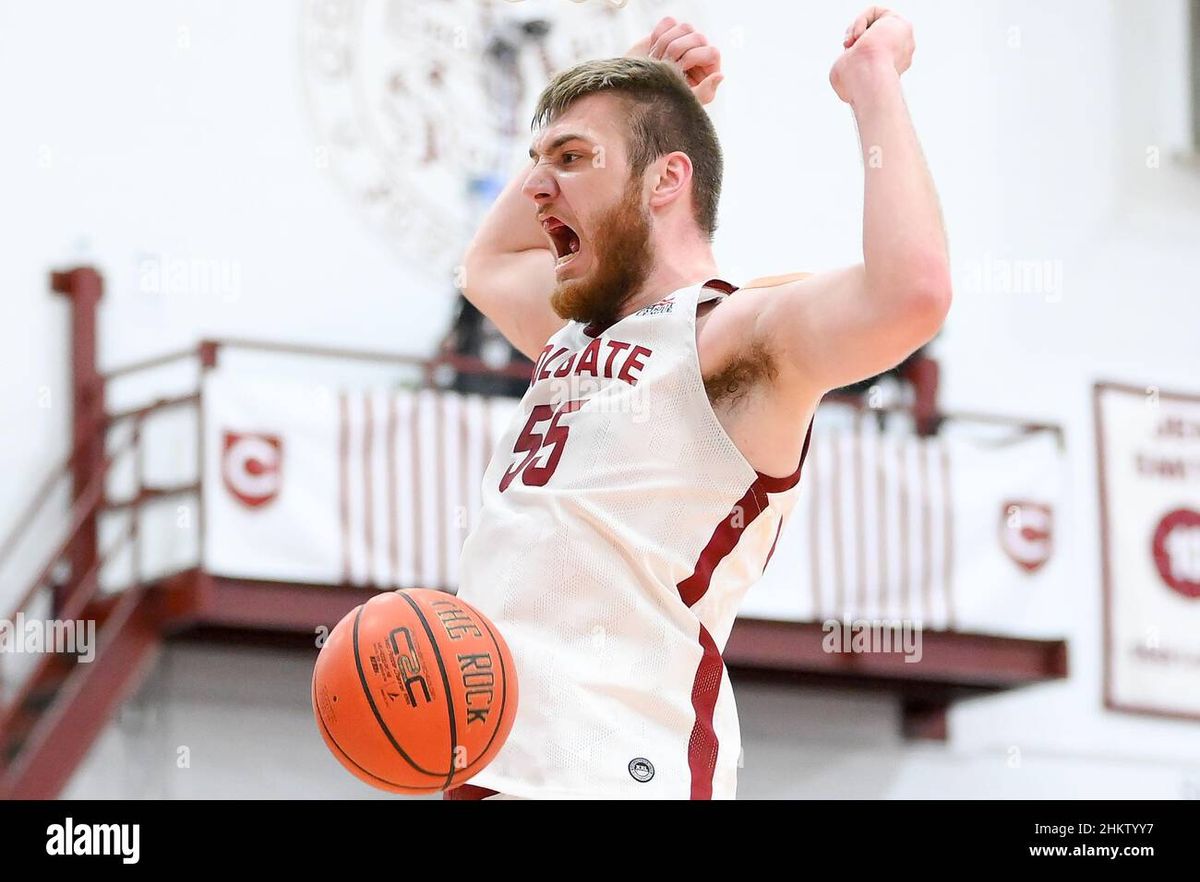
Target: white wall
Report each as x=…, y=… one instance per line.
x=1036, y=119
x=244, y=735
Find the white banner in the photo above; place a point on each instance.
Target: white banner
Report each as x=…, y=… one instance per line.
x=1148, y=453
x=365, y=487
x=374, y=487
x=958, y=532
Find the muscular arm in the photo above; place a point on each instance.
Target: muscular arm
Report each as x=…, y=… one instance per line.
x=508, y=271
x=834, y=328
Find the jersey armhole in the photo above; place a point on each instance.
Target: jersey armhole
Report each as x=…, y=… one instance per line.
x=781, y=485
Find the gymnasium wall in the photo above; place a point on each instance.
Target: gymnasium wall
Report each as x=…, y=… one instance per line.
x=224, y=723
x=179, y=130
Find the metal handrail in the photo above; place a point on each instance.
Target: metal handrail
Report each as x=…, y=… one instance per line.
x=152, y=362
x=56, y=474
x=81, y=509
x=319, y=351
x=463, y=363
x=60, y=471
x=857, y=403
x=151, y=494
x=159, y=404
x=84, y=591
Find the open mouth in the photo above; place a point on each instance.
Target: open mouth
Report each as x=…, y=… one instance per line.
x=565, y=240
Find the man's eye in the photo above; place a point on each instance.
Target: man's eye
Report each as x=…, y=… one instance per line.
x=569, y=157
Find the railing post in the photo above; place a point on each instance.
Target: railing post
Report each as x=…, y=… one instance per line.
x=923, y=374
x=84, y=287
x=208, y=354
x=135, y=511
x=209, y=350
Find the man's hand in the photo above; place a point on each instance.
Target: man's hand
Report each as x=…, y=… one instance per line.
x=688, y=48
x=877, y=39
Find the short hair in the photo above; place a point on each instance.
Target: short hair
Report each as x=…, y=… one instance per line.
x=665, y=116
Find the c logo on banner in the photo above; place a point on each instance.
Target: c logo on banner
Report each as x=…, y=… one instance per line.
x=1176, y=551
x=250, y=467
x=1026, y=533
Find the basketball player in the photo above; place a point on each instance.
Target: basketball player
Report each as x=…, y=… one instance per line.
x=642, y=485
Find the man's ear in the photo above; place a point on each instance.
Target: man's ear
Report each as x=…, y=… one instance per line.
x=674, y=179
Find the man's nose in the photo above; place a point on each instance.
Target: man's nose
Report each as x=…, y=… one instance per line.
x=540, y=185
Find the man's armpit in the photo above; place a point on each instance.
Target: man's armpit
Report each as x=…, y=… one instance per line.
x=751, y=369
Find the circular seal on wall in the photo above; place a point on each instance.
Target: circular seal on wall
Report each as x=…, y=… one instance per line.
x=412, y=101
x=1175, y=548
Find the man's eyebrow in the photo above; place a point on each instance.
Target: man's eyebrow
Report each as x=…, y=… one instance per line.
x=558, y=142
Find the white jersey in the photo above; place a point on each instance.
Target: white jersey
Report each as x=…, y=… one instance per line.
x=620, y=529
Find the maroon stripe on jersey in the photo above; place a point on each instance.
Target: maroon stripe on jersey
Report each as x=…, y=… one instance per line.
x=595, y=329
x=722, y=541
x=468, y=791
x=703, y=745
x=720, y=285
x=781, y=485
x=778, y=530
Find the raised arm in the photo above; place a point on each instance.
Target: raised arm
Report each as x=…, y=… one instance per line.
x=508, y=269
x=834, y=328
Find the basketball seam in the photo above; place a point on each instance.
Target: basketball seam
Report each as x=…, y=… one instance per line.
x=362, y=679
x=437, y=653
x=346, y=756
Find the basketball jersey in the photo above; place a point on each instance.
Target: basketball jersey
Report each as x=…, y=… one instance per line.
x=620, y=529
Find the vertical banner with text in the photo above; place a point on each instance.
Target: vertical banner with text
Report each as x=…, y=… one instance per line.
x=1148, y=456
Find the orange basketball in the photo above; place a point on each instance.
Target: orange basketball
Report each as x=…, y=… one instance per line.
x=414, y=691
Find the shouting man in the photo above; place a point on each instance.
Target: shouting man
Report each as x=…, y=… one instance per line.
x=643, y=483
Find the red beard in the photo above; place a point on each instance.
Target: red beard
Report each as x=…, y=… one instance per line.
x=623, y=259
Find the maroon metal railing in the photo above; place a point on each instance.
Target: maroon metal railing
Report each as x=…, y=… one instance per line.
x=81, y=586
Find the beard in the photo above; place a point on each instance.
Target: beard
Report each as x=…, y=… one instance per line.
x=621, y=245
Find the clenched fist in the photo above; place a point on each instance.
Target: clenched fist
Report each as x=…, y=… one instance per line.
x=878, y=38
